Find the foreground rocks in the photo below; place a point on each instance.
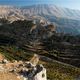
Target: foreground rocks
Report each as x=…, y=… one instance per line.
x=28, y=70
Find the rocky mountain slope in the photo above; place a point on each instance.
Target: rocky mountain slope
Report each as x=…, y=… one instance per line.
x=11, y=13
x=51, y=10
x=39, y=10
x=67, y=20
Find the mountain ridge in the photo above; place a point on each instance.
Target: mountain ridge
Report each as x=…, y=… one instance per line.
x=44, y=9
x=68, y=20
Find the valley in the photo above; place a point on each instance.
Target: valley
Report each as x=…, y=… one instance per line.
x=58, y=52
x=48, y=31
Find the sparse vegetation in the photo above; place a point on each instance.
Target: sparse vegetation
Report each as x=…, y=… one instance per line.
x=57, y=71
x=17, y=43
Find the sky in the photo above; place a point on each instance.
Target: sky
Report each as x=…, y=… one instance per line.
x=73, y=4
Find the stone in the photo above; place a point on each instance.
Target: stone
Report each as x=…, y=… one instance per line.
x=41, y=75
x=5, y=61
x=35, y=60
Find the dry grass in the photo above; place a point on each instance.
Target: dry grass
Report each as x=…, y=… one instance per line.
x=57, y=71
x=8, y=76
x=1, y=57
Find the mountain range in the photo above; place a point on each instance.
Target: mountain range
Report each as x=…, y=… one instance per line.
x=66, y=20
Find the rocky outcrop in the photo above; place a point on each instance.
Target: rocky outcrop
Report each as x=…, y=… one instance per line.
x=41, y=75
x=28, y=70
x=36, y=71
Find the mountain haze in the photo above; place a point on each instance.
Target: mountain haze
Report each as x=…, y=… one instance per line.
x=51, y=10
x=40, y=10
x=67, y=20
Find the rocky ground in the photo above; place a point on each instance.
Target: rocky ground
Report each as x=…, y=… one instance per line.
x=8, y=76
x=20, y=70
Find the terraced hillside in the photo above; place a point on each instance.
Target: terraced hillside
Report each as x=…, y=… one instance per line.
x=58, y=52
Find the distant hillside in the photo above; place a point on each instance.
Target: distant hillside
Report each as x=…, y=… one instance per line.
x=67, y=20
x=51, y=10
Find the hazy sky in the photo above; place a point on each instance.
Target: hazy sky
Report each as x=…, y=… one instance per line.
x=74, y=4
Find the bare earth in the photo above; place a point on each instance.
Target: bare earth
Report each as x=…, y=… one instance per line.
x=8, y=76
